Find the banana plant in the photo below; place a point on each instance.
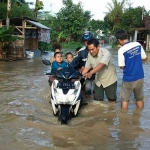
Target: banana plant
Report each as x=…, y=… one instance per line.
x=6, y=38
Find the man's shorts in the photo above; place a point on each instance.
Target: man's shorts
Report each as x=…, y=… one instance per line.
x=136, y=87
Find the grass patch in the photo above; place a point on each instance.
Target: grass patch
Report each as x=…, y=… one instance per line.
x=65, y=46
x=71, y=46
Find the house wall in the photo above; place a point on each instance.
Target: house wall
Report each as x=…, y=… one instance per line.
x=16, y=50
x=148, y=47
x=148, y=42
x=148, y=55
x=29, y=31
x=31, y=44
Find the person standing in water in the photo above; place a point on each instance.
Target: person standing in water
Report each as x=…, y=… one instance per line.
x=130, y=57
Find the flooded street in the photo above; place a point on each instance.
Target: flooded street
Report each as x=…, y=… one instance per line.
x=27, y=121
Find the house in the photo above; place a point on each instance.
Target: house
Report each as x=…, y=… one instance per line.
x=31, y=31
x=142, y=35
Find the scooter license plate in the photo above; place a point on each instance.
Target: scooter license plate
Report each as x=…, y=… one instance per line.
x=66, y=85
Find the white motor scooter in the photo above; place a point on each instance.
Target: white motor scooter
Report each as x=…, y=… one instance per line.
x=65, y=93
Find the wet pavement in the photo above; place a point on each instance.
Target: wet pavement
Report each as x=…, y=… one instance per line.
x=27, y=121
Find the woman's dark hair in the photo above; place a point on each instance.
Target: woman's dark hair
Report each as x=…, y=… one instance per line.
x=57, y=53
x=68, y=53
x=121, y=34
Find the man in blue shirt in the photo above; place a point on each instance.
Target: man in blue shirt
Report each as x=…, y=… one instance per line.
x=130, y=57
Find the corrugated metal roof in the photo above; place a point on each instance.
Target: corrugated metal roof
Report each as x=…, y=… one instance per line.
x=37, y=24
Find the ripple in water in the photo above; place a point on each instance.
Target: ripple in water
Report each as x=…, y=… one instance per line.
x=34, y=135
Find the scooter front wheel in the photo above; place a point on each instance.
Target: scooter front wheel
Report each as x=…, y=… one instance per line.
x=64, y=114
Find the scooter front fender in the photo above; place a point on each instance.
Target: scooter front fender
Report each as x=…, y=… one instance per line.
x=64, y=114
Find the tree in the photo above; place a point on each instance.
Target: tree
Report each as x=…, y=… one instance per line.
x=3, y=8
x=21, y=11
x=72, y=19
x=115, y=12
x=132, y=17
x=14, y=1
x=108, y=24
x=128, y=3
x=38, y=6
x=17, y=10
x=97, y=24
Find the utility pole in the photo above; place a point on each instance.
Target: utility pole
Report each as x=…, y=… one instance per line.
x=38, y=6
x=8, y=13
x=36, y=10
x=142, y=12
x=51, y=7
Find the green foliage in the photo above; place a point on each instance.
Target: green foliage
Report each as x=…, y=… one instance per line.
x=21, y=11
x=16, y=10
x=14, y=1
x=71, y=45
x=3, y=10
x=44, y=46
x=115, y=44
x=118, y=17
x=6, y=37
x=68, y=24
x=115, y=11
x=39, y=5
x=72, y=19
x=132, y=17
x=97, y=24
x=108, y=24
x=67, y=46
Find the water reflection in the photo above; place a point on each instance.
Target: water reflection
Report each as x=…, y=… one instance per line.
x=27, y=120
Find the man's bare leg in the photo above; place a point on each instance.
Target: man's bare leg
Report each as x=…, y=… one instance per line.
x=124, y=105
x=140, y=104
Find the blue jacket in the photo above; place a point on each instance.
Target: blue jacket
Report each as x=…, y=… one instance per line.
x=80, y=60
x=55, y=65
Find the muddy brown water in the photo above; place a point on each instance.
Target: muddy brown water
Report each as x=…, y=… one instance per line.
x=27, y=121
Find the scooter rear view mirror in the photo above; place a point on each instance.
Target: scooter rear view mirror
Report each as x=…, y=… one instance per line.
x=46, y=62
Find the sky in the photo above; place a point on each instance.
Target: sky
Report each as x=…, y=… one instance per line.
x=97, y=7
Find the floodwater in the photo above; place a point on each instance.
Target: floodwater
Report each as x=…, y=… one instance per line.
x=27, y=121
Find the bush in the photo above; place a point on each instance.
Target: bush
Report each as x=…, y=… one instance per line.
x=44, y=46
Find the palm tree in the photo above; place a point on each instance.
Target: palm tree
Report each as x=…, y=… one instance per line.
x=115, y=11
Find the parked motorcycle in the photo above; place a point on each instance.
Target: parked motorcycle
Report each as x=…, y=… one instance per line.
x=65, y=93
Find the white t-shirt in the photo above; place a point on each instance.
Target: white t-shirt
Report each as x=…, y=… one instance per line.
x=130, y=56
